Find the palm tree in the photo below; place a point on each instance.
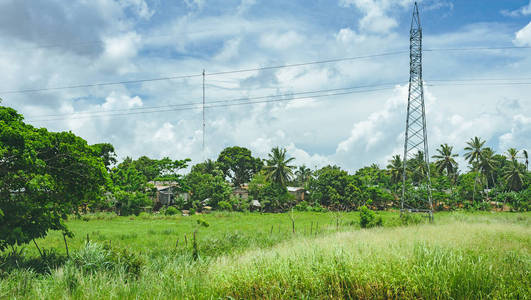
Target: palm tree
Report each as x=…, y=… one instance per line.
x=513, y=174
x=474, y=148
x=487, y=164
x=418, y=167
x=396, y=168
x=526, y=159
x=512, y=153
x=278, y=169
x=445, y=161
x=303, y=174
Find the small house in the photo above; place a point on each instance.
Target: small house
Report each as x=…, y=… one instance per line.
x=298, y=192
x=167, y=191
x=241, y=192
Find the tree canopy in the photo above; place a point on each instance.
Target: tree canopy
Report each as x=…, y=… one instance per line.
x=44, y=176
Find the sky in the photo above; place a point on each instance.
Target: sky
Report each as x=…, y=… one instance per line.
x=49, y=45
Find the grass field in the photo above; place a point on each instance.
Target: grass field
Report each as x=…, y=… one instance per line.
x=460, y=255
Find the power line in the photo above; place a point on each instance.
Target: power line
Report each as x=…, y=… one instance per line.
x=210, y=105
x=192, y=105
x=98, y=84
x=199, y=75
x=250, y=69
x=476, y=48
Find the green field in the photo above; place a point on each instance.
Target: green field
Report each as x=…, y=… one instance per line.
x=460, y=255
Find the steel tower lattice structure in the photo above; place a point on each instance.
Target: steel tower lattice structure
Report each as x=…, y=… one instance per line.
x=416, y=137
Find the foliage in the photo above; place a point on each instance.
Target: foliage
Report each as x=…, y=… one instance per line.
x=93, y=258
x=273, y=197
x=171, y=211
x=335, y=188
x=238, y=164
x=205, y=186
x=277, y=167
x=129, y=203
x=44, y=176
x=303, y=175
x=368, y=218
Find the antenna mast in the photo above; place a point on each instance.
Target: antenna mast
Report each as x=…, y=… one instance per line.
x=204, y=114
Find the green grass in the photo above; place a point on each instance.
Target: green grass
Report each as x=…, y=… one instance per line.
x=460, y=256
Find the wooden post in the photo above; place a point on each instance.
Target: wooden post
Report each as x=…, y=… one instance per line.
x=185, y=241
x=88, y=240
x=271, y=232
x=311, y=228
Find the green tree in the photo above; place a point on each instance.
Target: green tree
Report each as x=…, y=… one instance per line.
x=514, y=174
x=207, y=167
x=44, y=176
x=204, y=186
x=512, y=154
x=487, y=166
x=106, y=152
x=238, y=164
x=303, y=175
x=474, y=150
x=335, y=188
x=395, y=168
x=278, y=169
x=417, y=168
x=526, y=157
x=445, y=162
x=273, y=197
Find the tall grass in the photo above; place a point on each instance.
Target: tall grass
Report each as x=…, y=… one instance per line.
x=461, y=256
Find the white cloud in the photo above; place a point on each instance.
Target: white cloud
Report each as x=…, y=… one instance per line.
x=523, y=36
x=347, y=36
x=119, y=52
x=230, y=50
x=376, y=17
x=140, y=7
x=522, y=11
x=349, y=130
x=245, y=5
x=281, y=41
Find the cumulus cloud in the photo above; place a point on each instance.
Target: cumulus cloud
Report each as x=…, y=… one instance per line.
x=523, y=36
x=349, y=130
x=522, y=11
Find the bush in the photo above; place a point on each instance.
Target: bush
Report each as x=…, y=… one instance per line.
x=301, y=206
x=368, y=218
x=96, y=258
x=170, y=211
x=410, y=218
x=224, y=205
x=128, y=203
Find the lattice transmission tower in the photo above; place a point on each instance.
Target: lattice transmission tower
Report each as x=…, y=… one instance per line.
x=416, y=137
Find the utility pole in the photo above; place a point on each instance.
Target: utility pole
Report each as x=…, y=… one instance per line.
x=416, y=136
x=204, y=114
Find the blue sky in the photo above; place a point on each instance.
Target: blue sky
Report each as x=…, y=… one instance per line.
x=57, y=43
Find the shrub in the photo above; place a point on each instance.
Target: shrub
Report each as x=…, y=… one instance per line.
x=410, y=218
x=301, y=206
x=224, y=205
x=368, y=218
x=96, y=258
x=170, y=211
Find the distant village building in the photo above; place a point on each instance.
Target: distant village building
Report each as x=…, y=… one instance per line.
x=298, y=192
x=167, y=191
x=241, y=192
